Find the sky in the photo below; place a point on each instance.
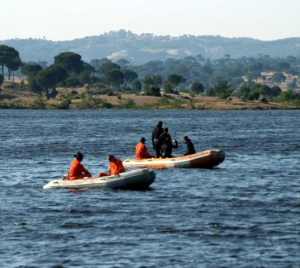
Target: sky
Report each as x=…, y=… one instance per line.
x=69, y=19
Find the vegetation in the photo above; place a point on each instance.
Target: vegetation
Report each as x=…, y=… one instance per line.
x=1, y=80
x=70, y=82
x=9, y=59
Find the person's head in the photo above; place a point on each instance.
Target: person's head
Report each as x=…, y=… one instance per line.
x=111, y=158
x=142, y=140
x=79, y=156
x=186, y=139
x=160, y=124
x=166, y=130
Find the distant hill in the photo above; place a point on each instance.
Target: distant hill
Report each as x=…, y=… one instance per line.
x=147, y=47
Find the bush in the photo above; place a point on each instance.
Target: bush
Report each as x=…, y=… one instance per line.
x=197, y=88
x=255, y=92
x=130, y=104
x=107, y=105
x=64, y=104
x=153, y=91
x=222, y=90
x=288, y=96
x=72, y=82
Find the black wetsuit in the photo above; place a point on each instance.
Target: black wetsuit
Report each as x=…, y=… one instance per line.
x=155, y=140
x=165, y=141
x=190, y=147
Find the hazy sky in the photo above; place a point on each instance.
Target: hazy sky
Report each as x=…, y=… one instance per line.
x=68, y=19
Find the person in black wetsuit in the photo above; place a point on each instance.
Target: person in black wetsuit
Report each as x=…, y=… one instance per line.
x=158, y=130
x=189, y=145
x=166, y=143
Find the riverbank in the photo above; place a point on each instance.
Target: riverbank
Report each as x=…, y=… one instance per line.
x=83, y=99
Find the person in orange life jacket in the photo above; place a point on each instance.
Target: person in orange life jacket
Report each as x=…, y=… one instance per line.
x=141, y=150
x=77, y=170
x=115, y=167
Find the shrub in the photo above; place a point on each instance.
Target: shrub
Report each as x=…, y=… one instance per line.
x=153, y=91
x=197, y=88
x=130, y=104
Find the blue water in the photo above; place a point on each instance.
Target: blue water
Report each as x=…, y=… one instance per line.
x=246, y=213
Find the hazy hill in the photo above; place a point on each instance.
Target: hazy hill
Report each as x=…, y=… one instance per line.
x=147, y=47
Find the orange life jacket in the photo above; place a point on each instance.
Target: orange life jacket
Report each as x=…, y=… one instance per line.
x=141, y=151
x=77, y=171
x=116, y=167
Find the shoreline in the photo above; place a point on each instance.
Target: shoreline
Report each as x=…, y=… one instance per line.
x=12, y=99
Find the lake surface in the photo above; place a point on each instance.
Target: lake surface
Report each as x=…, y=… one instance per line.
x=246, y=213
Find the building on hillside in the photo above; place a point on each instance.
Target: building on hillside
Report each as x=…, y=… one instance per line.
x=290, y=81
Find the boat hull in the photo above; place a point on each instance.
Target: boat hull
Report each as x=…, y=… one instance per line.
x=131, y=180
x=207, y=159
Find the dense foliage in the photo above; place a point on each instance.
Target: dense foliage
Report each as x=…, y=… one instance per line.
x=226, y=77
x=9, y=59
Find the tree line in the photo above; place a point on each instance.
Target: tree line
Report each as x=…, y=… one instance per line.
x=222, y=77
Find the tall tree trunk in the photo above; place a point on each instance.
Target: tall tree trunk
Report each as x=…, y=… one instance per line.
x=3, y=70
x=9, y=74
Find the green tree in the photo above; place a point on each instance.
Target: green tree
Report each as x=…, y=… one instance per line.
x=175, y=79
x=115, y=78
x=34, y=85
x=31, y=69
x=50, y=77
x=152, y=81
x=288, y=96
x=4, y=56
x=168, y=87
x=72, y=81
x=222, y=90
x=108, y=66
x=197, y=87
x=70, y=61
x=137, y=85
x=269, y=92
x=129, y=76
x=10, y=58
x=153, y=91
x=13, y=65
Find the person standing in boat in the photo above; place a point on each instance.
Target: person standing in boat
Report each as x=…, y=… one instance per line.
x=158, y=130
x=77, y=170
x=166, y=143
x=141, y=150
x=190, y=146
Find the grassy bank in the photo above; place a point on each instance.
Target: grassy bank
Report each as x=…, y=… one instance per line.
x=83, y=99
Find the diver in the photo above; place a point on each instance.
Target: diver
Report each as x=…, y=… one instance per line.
x=158, y=130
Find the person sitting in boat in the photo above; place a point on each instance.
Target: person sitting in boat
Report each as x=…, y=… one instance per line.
x=158, y=130
x=166, y=143
x=115, y=167
x=77, y=170
x=190, y=146
x=141, y=150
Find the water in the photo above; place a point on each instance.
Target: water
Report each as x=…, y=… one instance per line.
x=244, y=214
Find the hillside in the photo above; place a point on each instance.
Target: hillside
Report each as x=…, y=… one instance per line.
x=147, y=47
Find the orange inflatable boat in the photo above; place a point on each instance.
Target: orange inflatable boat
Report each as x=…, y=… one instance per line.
x=205, y=159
